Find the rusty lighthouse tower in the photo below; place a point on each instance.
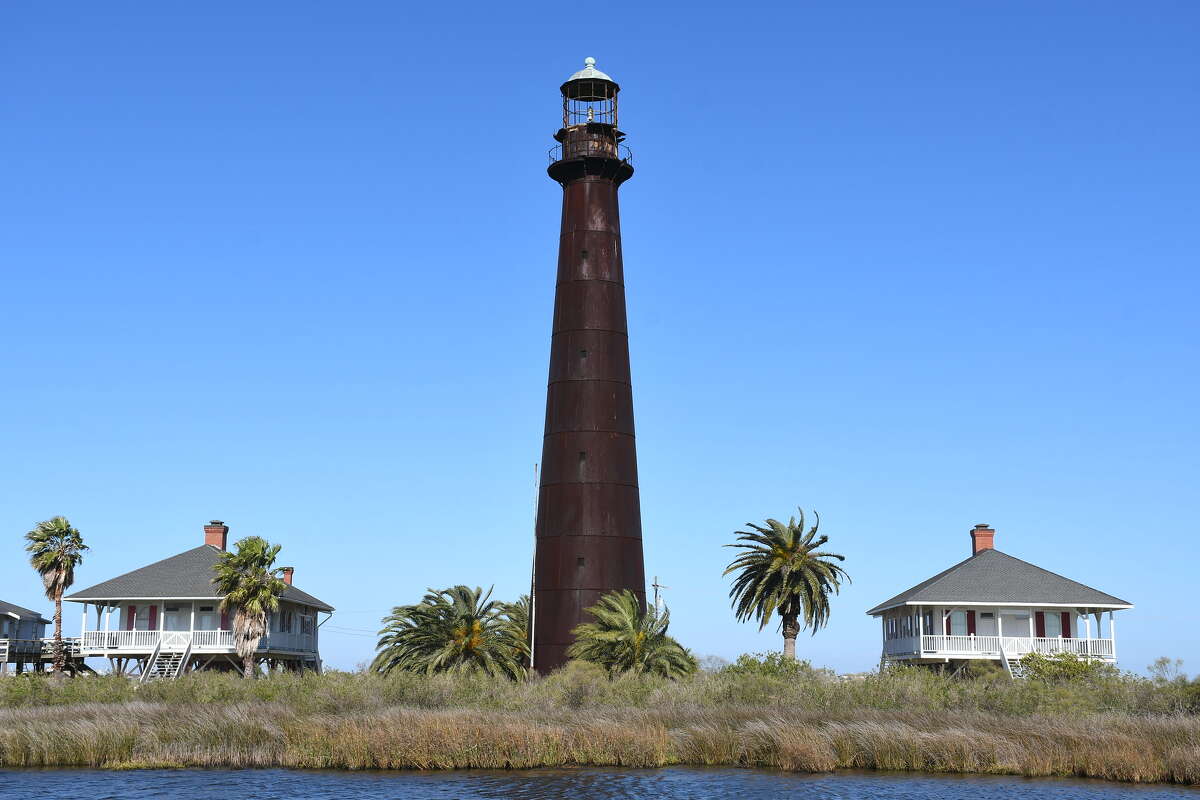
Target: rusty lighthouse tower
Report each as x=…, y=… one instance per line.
x=589, y=527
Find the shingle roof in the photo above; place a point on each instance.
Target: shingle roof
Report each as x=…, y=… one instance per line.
x=990, y=576
x=23, y=613
x=188, y=574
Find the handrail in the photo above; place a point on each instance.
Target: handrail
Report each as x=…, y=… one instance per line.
x=599, y=148
x=184, y=660
x=150, y=662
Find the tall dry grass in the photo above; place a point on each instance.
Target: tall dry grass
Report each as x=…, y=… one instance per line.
x=1113, y=747
x=1126, y=730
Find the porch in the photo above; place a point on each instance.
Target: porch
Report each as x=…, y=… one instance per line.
x=143, y=643
x=38, y=654
x=944, y=647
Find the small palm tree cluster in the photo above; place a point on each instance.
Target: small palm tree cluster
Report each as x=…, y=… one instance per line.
x=456, y=630
x=625, y=638
x=55, y=549
x=251, y=585
x=783, y=570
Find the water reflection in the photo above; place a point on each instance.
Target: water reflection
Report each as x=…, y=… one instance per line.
x=558, y=784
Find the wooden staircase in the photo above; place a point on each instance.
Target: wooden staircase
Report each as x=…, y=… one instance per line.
x=166, y=663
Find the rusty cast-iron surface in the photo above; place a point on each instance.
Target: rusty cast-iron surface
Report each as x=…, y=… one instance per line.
x=589, y=528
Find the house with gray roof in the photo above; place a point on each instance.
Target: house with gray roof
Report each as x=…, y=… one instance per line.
x=22, y=637
x=165, y=618
x=996, y=607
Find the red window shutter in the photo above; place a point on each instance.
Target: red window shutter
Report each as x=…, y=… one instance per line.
x=131, y=618
x=1066, y=625
x=970, y=623
x=946, y=624
x=153, y=618
x=224, y=619
x=1039, y=624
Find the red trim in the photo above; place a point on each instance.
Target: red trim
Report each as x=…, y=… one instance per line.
x=129, y=620
x=1039, y=624
x=153, y=618
x=1066, y=625
x=970, y=623
x=225, y=619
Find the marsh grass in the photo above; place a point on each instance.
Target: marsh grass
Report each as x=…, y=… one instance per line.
x=1125, y=731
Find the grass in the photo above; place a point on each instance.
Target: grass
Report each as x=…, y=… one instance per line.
x=1122, y=729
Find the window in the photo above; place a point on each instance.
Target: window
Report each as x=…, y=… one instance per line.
x=1053, y=624
x=142, y=619
x=891, y=628
x=927, y=623
x=958, y=623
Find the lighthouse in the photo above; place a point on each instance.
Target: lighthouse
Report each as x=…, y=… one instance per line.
x=589, y=527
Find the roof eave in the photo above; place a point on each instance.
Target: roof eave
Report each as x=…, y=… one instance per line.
x=874, y=612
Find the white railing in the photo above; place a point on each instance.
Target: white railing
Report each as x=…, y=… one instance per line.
x=144, y=641
x=212, y=640
x=201, y=641
x=1014, y=646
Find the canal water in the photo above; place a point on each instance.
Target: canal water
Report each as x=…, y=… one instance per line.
x=554, y=784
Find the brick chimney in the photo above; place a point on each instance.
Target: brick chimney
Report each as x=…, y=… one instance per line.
x=982, y=538
x=215, y=534
x=287, y=575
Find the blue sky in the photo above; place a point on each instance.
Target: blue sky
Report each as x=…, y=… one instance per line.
x=917, y=266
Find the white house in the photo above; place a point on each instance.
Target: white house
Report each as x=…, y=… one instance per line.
x=22, y=638
x=996, y=607
x=165, y=619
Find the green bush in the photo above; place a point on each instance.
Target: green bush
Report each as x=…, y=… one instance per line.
x=1065, y=668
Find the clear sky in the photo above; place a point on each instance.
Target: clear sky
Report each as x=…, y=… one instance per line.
x=916, y=265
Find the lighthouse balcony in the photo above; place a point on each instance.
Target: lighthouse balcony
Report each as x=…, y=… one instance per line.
x=590, y=148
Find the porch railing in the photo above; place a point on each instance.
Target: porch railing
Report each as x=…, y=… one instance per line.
x=1015, y=645
x=43, y=648
x=201, y=641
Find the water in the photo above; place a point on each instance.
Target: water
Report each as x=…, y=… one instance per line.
x=555, y=784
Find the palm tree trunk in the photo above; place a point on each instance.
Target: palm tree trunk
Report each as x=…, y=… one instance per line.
x=791, y=629
x=59, y=661
x=248, y=666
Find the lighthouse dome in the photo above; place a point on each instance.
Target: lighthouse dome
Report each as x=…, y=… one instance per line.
x=589, y=72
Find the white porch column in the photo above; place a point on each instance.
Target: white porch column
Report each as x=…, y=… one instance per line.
x=1032, y=629
x=83, y=626
x=1112, y=632
x=192, y=621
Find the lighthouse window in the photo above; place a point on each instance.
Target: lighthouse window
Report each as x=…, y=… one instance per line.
x=583, y=353
x=579, y=561
x=583, y=254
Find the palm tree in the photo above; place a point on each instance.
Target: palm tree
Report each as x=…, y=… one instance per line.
x=55, y=549
x=452, y=630
x=625, y=638
x=783, y=570
x=250, y=584
x=516, y=622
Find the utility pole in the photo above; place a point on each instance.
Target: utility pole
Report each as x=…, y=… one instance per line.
x=657, y=599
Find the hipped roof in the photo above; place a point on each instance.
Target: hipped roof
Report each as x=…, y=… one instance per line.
x=991, y=577
x=187, y=575
x=8, y=609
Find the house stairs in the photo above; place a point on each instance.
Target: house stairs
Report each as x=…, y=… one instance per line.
x=166, y=663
